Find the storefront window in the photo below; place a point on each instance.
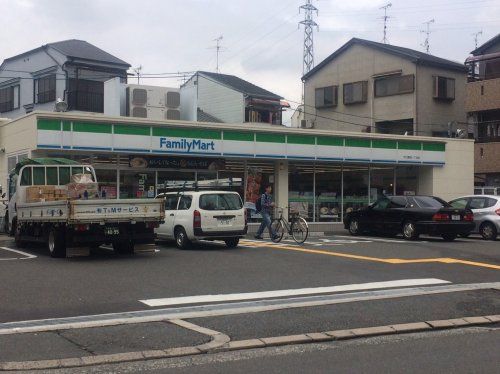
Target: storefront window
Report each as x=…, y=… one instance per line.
x=328, y=192
x=107, y=183
x=206, y=175
x=135, y=184
x=406, y=180
x=355, y=187
x=301, y=190
x=381, y=182
x=168, y=176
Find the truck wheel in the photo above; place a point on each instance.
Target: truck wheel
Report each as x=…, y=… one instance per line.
x=124, y=248
x=17, y=235
x=56, y=243
x=181, y=239
x=232, y=242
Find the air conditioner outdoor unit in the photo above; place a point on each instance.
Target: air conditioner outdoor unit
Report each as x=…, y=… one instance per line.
x=306, y=124
x=153, y=102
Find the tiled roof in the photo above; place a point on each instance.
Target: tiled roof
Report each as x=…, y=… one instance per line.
x=240, y=85
x=205, y=117
x=417, y=57
x=480, y=50
x=79, y=49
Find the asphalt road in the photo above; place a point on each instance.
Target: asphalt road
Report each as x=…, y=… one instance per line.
x=36, y=287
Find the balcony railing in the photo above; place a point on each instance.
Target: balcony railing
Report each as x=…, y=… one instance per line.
x=86, y=101
x=488, y=139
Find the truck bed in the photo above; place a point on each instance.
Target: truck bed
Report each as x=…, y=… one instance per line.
x=92, y=211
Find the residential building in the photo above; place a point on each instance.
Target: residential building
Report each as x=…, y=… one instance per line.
x=213, y=97
x=483, y=107
x=72, y=70
x=374, y=87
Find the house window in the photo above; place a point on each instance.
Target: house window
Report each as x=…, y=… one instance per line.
x=355, y=92
x=326, y=96
x=444, y=88
x=46, y=89
x=9, y=98
x=394, y=85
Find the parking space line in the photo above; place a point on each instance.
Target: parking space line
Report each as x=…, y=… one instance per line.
x=26, y=255
x=290, y=292
x=445, y=260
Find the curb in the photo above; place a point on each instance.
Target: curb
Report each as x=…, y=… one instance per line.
x=222, y=343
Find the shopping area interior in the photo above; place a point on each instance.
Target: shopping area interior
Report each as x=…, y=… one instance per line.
x=319, y=191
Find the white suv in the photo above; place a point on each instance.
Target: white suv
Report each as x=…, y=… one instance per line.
x=203, y=215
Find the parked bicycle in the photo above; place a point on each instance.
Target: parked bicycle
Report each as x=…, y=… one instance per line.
x=297, y=227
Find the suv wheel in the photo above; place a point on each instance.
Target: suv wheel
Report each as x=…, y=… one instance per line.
x=181, y=239
x=232, y=242
x=354, y=227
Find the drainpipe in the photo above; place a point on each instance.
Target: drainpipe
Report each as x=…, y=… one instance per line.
x=63, y=67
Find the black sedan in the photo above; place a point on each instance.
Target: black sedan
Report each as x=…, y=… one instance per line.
x=411, y=216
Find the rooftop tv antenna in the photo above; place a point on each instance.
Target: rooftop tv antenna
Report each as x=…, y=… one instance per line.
x=385, y=18
x=427, y=32
x=475, y=35
x=217, y=51
x=137, y=71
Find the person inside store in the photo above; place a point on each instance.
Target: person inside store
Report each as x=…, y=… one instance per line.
x=266, y=206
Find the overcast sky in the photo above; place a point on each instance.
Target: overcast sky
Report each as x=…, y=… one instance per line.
x=261, y=39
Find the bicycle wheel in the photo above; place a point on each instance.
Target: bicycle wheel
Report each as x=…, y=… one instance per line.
x=300, y=230
x=279, y=230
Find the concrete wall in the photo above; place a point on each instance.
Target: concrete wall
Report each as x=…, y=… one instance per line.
x=432, y=114
x=358, y=63
x=487, y=157
x=220, y=101
x=483, y=95
x=456, y=177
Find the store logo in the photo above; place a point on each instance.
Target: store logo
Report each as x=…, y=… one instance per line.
x=187, y=145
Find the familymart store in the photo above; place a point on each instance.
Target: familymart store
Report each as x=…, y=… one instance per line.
x=321, y=174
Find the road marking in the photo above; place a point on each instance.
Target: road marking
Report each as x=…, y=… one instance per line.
x=444, y=260
x=26, y=255
x=371, y=239
x=290, y=292
x=215, y=310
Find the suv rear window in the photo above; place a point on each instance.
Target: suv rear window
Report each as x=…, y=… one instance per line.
x=220, y=201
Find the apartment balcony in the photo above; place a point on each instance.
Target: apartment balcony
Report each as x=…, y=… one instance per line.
x=482, y=95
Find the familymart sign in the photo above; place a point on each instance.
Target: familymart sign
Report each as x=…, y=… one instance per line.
x=147, y=139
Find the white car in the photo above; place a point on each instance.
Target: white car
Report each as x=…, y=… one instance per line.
x=203, y=215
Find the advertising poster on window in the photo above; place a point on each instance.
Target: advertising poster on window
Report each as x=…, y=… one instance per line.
x=252, y=187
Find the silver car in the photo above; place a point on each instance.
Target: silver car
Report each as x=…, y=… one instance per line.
x=486, y=209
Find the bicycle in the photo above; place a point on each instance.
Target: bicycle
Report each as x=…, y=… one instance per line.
x=297, y=227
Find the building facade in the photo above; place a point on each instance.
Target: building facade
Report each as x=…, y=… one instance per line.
x=483, y=107
x=213, y=97
x=321, y=174
x=371, y=87
x=71, y=70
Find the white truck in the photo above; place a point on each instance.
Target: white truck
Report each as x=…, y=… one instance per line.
x=83, y=222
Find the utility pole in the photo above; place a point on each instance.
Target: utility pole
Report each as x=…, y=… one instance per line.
x=137, y=71
x=308, y=22
x=427, y=32
x=217, y=51
x=385, y=18
x=475, y=35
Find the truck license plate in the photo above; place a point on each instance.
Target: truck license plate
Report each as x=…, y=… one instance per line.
x=455, y=217
x=112, y=231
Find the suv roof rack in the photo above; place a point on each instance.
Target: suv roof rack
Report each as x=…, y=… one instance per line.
x=205, y=184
